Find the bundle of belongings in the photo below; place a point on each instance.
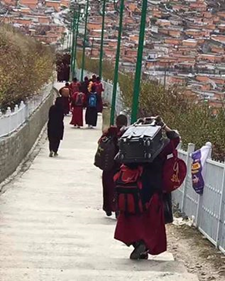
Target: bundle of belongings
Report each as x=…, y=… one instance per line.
x=141, y=150
x=144, y=167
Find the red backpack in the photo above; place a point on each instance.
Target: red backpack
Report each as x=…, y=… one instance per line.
x=128, y=190
x=174, y=173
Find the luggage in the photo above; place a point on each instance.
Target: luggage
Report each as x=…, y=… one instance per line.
x=92, y=101
x=104, y=157
x=128, y=190
x=141, y=142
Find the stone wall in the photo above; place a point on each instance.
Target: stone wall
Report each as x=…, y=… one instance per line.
x=14, y=148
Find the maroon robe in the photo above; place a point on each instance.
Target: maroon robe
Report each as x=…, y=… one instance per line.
x=109, y=204
x=65, y=93
x=148, y=227
x=77, y=113
x=99, y=90
x=75, y=87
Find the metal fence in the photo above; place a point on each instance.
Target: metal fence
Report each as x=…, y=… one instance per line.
x=11, y=120
x=207, y=210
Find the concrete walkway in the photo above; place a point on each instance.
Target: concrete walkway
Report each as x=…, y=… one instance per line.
x=52, y=227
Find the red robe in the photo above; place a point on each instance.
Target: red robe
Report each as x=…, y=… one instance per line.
x=109, y=204
x=75, y=87
x=148, y=227
x=99, y=90
x=77, y=113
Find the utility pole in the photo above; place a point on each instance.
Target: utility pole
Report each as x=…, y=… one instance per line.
x=75, y=47
x=102, y=38
x=73, y=43
x=137, y=79
x=116, y=71
x=85, y=35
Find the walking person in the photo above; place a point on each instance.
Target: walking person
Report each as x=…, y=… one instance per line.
x=108, y=184
x=77, y=106
x=65, y=94
x=91, y=115
x=146, y=231
x=75, y=86
x=84, y=86
x=99, y=90
x=55, y=126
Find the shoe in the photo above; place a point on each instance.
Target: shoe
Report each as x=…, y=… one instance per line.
x=56, y=154
x=108, y=214
x=143, y=256
x=51, y=154
x=138, y=252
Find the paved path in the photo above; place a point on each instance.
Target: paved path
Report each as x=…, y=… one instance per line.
x=52, y=227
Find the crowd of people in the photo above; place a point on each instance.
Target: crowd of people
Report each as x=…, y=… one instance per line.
x=135, y=192
x=74, y=97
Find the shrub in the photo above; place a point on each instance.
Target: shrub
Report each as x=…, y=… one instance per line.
x=25, y=65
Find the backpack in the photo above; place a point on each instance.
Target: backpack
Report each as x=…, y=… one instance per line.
x=104, y=157
x=128, y=187
x=174, y=173
x=92, y=101
x=79, y=100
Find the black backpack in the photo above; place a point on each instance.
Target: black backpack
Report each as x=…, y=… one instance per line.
x=104, y=157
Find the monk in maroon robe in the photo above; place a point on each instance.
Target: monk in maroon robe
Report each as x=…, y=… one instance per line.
x=146, y=231
x=99, y=90
x=108, y=184
x=65, y=94
x=75, y=86
x=77, y=105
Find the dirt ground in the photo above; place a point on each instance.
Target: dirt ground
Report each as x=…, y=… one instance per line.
x=200, y=257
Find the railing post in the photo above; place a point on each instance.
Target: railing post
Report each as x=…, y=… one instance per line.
x=221, y=211
x=191, y=148
x=199, y=196
x=8, y=114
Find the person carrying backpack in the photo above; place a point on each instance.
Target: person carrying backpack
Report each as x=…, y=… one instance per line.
x=99, y=90
x=77, y=105
x=91, y=115
x=141, y=199
x=110, y=139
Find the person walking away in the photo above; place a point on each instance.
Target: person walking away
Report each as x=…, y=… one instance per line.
x=75, y=86
x=91, y=82
x=55, y=126
x=77, y=105
x=65, y=94
x=108, y=184
x=91, y=115
x=146, y=231
x=84, y=86
x=99, y=90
